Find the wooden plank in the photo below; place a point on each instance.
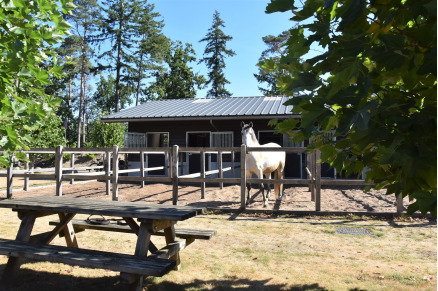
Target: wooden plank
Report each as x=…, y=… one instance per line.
x=169, y=234
x=186, y=233
x=243, y=176
x=102, y=207
x=142, y=168
x=221, y=171
x=86, y=258
x=115, y=189
x=202, y=175
x=58, y=170
x=9, y=182
x=318, y=181
x=175, y=155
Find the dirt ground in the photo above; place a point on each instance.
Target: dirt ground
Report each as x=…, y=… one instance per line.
x=346, y=199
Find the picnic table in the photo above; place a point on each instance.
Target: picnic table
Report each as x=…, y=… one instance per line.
x=152, y=219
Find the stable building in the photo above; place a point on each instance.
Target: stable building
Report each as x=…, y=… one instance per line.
x=208, y=122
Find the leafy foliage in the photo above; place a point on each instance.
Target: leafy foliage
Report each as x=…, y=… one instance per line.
x=179, y=81
x=373, y=87
x=214, y=57
x=105, y=134
x=29, y=30
x=273, y=53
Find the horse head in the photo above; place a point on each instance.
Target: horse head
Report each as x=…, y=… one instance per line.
x=248, y=135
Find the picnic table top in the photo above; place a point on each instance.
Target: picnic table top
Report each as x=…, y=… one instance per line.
x=137, y=210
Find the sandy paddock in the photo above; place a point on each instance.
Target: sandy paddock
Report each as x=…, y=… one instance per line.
x=345, y=198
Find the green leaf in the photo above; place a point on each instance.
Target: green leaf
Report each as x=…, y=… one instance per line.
x=280, y=6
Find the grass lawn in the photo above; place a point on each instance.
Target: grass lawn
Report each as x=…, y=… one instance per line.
x=261, y=253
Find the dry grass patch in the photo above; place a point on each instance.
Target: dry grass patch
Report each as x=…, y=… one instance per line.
x=251, y=252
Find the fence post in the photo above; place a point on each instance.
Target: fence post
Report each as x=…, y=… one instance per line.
x=232, y=164
x=9, y=178
x=399, y=204
x=221, y=172
x=142, y=168
x=318, y=180
x=175, y=174
x=202, y=174
x=58, y=170
x=72, y=165
x=115, y=173
x=107, y=171
x=26, y=178
x=243, y=176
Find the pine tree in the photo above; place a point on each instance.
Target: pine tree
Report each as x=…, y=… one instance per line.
x=214, y=57
x=152, y=47
x=179, y=81
x=276, y=48
x=85, y=24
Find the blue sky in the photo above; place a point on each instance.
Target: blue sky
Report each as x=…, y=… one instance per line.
x=245, y=20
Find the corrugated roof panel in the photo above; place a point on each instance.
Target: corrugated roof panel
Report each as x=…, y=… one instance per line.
x=214, y=107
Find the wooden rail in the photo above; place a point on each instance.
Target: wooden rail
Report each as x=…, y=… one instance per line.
x=111, y=173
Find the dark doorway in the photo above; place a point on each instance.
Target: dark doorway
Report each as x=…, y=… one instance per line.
x=197, y=139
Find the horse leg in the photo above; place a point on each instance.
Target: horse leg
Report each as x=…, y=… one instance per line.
x=262, y=188
x=268, y=194
x=248, y=186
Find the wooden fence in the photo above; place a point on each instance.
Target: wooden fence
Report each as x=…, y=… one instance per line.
x=111, y=173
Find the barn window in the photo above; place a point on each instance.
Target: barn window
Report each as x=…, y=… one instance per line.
x=134, y=140
x=222, y=139
x=157, y=139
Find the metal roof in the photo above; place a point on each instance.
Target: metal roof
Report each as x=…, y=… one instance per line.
x=208, y=108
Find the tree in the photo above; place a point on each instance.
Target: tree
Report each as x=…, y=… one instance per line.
x=85, y=20
x=124, y=25
x=152, y=47
x=29, y=32
x=103, y=99
x=214, y=57
x=374, y=88
x=105, y=135
x=275, y=50
x=179, y=81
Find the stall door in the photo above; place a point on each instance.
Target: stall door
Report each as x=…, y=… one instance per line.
x=197, y=139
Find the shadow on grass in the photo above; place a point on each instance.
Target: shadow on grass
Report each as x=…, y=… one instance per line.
x=40, y=280
x=228, y=284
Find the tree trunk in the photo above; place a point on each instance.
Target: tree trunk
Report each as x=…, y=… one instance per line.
x=139, y=79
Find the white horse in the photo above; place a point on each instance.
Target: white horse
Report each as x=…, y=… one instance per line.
x=263, y=163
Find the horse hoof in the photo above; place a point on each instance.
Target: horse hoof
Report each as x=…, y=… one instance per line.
x=265, y=205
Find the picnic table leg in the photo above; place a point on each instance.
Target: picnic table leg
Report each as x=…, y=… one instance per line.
x=69, y=232
x=135, y=282
x=14, y=263
x=169, y=234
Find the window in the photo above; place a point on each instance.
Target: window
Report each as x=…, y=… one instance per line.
x=222, y=139
x=157, y=139
x=134, y=140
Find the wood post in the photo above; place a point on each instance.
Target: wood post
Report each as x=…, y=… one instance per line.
x=72, y=165
x=9, y=178
x=26, y=179
x=243, y=176
x=58, y=170
x=115, y=173
x=203, y=175
x=232, y=165
x=221, y=172
x=107, y=171
x=175, y=156
x=142, y=168
x=318, y=180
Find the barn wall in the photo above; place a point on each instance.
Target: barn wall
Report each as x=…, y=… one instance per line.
x=177, y=129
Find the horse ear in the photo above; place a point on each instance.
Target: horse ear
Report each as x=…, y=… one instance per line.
x=250, y=124
x=242, y=124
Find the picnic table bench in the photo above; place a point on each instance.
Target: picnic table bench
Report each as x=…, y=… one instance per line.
x=153, y=220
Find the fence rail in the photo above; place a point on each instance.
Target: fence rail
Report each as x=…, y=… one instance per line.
x=111, y=173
